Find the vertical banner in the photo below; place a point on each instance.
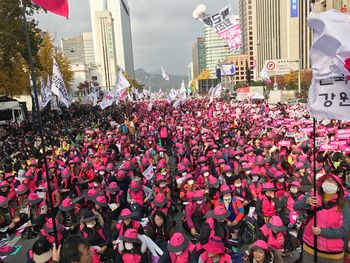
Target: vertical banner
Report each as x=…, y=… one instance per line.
x=226, y=26
x=57, y=85
x=294, y=7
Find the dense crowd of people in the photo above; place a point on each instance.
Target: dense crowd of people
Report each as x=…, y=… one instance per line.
x=219, y=182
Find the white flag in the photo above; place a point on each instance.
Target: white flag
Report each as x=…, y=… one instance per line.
x=329, y=93
x=164, y=75
x=107, y=101
x=265, y=75
x=57, y=85
x=216, y=92
x=54, y=105
x=331, y=45
x=46, y=93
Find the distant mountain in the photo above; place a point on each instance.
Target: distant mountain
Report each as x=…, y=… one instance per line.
x=156, y=81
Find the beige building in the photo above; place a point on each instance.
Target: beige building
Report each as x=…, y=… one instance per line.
x=248, y=25
x=323, y=5
x=239, y=61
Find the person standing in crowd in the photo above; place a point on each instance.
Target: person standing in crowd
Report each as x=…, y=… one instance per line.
x=333, y=221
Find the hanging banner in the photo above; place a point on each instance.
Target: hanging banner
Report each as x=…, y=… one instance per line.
x=226, y=26
x=330, y=99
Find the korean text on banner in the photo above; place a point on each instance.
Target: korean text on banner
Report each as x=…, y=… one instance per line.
x=148, y=173
x=226, y=26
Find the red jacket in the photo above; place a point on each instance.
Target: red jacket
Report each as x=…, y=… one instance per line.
x=268, y=206
x=275, y=242
x=193, y=207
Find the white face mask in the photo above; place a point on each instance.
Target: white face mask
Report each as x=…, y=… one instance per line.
x=199, y=202
x=214, y=150
x=184, y=174
x=190, y=182
x=248, y=172
x=102, y=172
x=163, y=173
x=228, y=174
x=91, y=225
x=161, y=154
x=129, y=246
x=178, y=253
x=255, y=178
x=237, y=157
x=96, y=184
x=227, y=145
x=206, y=174
x=293, y=190
x=238, y=185
x=162, y=185
x=281, y=180
x=318, y=176
x=329, y=188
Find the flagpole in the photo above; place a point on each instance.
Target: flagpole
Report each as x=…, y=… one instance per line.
x=31, y=69
x=315, y=188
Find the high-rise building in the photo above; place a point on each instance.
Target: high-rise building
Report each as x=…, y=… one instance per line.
x=73, y=49
x=88, y=48
x=239, y=62
x=104, y=47
x=120, y=12
x=216, y=50
x=198, y=56
x=323, y=5
x=248, y=26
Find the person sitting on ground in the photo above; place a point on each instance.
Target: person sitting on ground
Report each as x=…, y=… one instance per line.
x=261, y=252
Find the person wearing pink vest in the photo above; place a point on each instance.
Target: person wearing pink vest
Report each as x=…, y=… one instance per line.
x=267, y=204
x=333, y=221
x=132, y=248
x=214, y=252
x=261, y=252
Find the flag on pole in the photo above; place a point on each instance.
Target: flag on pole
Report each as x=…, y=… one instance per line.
x=45, y=91
x=215, y=93
x=265, y=75
x=330, y=56
x=58, y=7
x=57, y=85
x=164, y=75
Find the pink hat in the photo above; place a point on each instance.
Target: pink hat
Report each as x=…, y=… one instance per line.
x=144, y=162
x=181, y=168
x=121, y=175
x=66, y=173
x=332, y=176
x=22, y=189
x=227, y=169
x=268, y=187
x=135, y=186
x=109, y=167
x=84, y=165
x=299, y=166
x=205, y=169
x=90, y=194
x=276, y=224
x=213, y=182
x=160, y=200
x=259, y=160
x=33, y=199
x=215, y=245
x=198, y=196
x=225, y=189
x=4, y=184
x=219, y=213
x=177, y=243
x=112, y=187
x=3, y=200
x=49, y=225
x=66, y=205
x=296, y=184
x=131, y=236
x=125, y=214
x=101, y=201
x=260, y=244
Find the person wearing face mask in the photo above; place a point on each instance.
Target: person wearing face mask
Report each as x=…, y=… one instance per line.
x=202, y=180
x=179, y=250
x=188, y=188
x=333, y=220
x=96, y=235
x=242, y=193
x=267, y=204
x=161, y=187
x=194, y=213
x=132, y=248
x=234, y=206
x=280, y=184
x=255, y=184
x=215, y=225
x=288, y=214
x=214, y=252
x=97, y=184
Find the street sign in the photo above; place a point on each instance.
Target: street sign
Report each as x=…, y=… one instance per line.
x=277, y=66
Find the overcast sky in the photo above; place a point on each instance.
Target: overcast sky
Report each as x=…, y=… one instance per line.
x=162, y=30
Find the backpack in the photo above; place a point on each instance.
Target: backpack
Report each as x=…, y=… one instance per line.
x=124, y=129
x=249, y=230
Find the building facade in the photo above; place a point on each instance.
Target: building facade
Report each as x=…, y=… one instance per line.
x=239, y=62
x=104, y=48
x=120, y=13
x=248, y=26
x=73, y=49
x=88, y=48
x=198, y=56
x=216, y=50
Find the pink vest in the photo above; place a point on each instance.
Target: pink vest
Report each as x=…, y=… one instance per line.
x=268, y=207
x=163, y=132
x=131, y=258
x=326, y=218
x=120, y=226
x=137, y=196
x=225, y=258
x=275, y=242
